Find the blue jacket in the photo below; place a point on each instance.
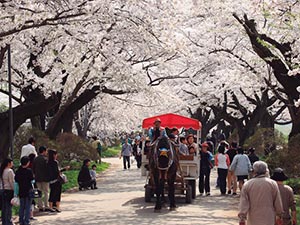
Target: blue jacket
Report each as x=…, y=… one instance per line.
x=241, y=165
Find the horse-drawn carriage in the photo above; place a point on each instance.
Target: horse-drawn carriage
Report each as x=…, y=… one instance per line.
x=186, y=167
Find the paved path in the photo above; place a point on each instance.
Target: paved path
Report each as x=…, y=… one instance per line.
x=120, y=200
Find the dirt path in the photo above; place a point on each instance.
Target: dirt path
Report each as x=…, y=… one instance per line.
x=120, y=200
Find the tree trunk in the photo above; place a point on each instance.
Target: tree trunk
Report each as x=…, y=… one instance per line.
x=20, y=114
x=68, y=124
x=281, y=66
x=295, y=124
x=79, y=129
x=36, y=122
x=55, y=125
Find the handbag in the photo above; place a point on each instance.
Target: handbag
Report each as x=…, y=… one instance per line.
x=35, y=193
x=15, y=201
x=62, y=178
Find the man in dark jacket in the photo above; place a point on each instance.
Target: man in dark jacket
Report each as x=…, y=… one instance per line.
x=40, y=171
x=84, y=177
x=252, y=156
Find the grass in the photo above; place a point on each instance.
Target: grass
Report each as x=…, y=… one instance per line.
x=73, y=174
x=111, y=151
x=72, y=178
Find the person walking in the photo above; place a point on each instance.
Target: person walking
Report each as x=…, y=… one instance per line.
x=260, y=199
x=241, y=166
x=137, y=152
x=29, y=148
x=7, y=179
x=205, y=167
x=252, y=156
x=222, y=162
x=55, y=185
x=96, y=144
x=231, y=178
x=126, y=153
x=287, y=197
x=24, y=178
x=41, y=175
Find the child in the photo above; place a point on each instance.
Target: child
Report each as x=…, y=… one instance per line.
x=93, y=176
x=24, y=177
x=183, y=149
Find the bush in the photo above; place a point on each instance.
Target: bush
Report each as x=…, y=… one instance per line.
x=24, y=133
x=265, y=141
x=69, y=146
x=295, y=184
x=287, y=158
x=75, y=148
x=298, y=207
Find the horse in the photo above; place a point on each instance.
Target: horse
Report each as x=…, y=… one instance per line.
x=163, y=167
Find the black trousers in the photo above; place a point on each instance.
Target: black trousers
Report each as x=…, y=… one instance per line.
x=126, y=159
x=204, y=180
x=222, y=174
x=138, y=159
x=88, y=184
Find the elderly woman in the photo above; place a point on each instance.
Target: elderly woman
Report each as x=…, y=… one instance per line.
x=260, y=199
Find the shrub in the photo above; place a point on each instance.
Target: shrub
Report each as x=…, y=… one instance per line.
x=24, y=133
x=295, y=184
x=265, y=141
x=75, y=148
x=287, y=158
x=69, y=146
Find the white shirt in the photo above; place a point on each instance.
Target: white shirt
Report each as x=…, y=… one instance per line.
x=27, y=150
x=222, y=161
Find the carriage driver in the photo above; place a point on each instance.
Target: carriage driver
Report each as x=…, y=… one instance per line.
x=157, y=131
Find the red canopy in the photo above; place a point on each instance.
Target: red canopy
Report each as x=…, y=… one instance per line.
x=171, y=120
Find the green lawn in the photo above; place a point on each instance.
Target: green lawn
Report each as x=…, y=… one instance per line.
x=111, y=151
x=73, y=173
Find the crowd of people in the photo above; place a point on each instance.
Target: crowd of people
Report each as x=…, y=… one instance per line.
x=260, y=194
x=37, y=173
x=264, y=200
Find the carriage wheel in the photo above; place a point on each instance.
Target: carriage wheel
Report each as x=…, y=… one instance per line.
x=188, y=194
x=148, y=193
x=193, y=186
